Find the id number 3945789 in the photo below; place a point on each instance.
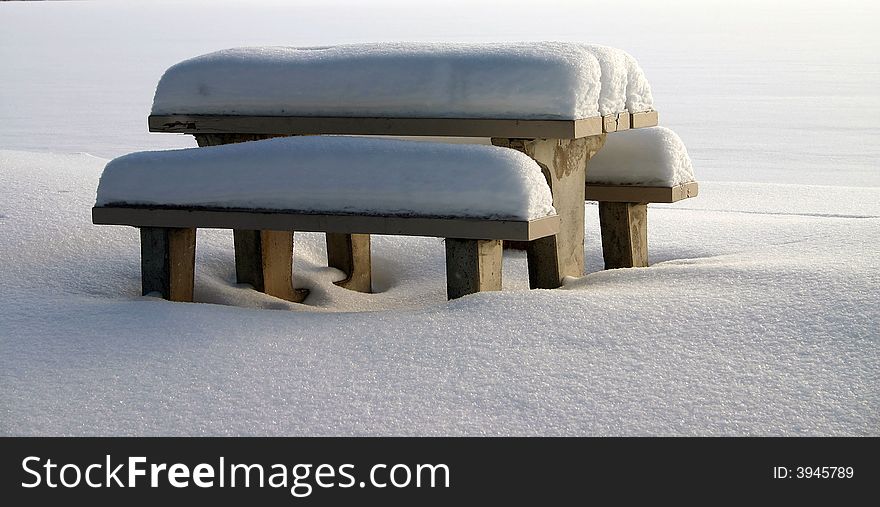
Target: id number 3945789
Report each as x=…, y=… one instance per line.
x=817, y=472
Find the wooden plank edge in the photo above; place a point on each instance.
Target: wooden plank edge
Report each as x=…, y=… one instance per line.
x=542, y=227
x=318, y=125
x=586, y=127
x=634, y=193
x=644, y=119
x=463, y=228
x=616, y=122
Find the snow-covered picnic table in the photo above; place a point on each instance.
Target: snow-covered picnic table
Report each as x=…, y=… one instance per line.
x=553, y=101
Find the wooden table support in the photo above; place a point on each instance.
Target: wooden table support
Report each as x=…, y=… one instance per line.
x=564, y=163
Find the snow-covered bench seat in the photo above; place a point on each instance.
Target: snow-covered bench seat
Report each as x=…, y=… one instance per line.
x=554, y=101
x=633, y=169
x=474, y=196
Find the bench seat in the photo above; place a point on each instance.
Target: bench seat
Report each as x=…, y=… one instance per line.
x=234, y=218
x=636, y=193
x=288, y=185
x=649, y=165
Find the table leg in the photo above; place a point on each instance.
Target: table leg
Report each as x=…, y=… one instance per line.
x=564, y=163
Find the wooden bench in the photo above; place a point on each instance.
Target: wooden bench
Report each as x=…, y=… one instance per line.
x=623, y=219
x=474, y=196
x=636, y=168
x=168, y=240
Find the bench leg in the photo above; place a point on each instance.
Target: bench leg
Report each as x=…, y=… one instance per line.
x=564, y=162
x=264, y=259
x=350, y=253
x=624, y=234
x=267, y=273
x=168, y=259
x=472, y=265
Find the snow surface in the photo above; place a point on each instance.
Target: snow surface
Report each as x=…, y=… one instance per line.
x=653, y=156
x=759, y=315
x=395, y=79
x=336, y=174
x=749, y=322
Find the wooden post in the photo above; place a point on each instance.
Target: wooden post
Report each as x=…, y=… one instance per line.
x=248, y=262
x=168, y=259
x=624, y=234
x=564, y=163
x=265, y=260
x=257, y=263
x=350, y=253
x=472, y=265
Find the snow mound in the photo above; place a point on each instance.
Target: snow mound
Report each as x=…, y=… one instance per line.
x=334, y=174
x=653, y=156
x=538, y=80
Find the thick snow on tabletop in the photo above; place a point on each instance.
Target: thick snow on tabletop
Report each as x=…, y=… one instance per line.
x=334, y=174
x=548, y=80
x=653, y=156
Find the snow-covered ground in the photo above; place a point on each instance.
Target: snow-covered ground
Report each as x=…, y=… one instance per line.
x=758, y=316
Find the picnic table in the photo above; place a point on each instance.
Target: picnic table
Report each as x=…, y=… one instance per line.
x=570, y=97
